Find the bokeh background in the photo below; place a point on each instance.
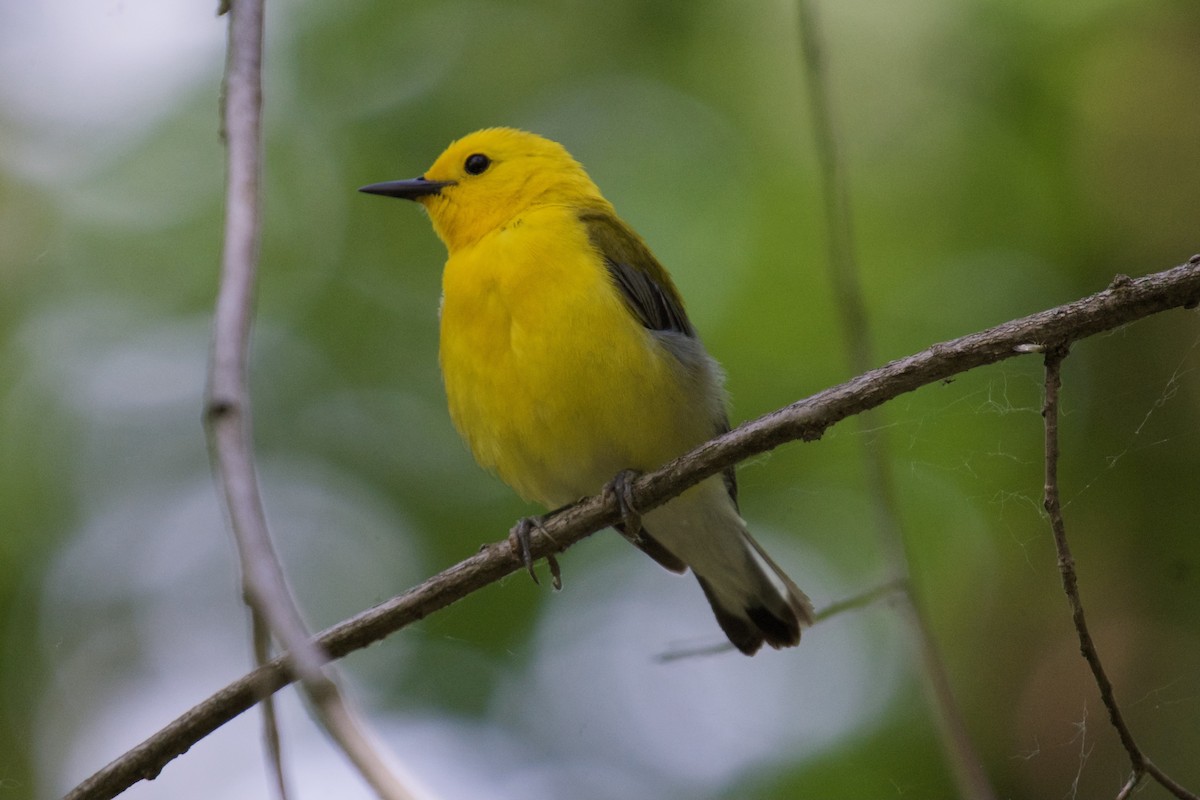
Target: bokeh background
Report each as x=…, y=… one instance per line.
x=1004, y=156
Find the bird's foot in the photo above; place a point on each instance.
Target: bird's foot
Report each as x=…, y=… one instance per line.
x=520, y=541
x=621, y=487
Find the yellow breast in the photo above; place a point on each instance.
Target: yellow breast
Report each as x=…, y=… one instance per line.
x=552, y=382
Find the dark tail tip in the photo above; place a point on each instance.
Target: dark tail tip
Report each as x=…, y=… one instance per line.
x=748, y=628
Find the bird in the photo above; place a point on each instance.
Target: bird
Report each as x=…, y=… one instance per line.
x=570, y=365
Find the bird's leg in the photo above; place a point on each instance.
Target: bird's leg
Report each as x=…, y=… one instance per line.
x=621, y=487
x=520, y=541
x=520, y=544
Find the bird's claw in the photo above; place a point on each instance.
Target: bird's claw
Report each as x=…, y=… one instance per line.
x=621, y=487
x=520, y=541
x=521, y=544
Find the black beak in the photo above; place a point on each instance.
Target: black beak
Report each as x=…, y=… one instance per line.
x=409, y=190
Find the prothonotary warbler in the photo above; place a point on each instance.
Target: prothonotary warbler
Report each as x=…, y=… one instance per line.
x=568, y=360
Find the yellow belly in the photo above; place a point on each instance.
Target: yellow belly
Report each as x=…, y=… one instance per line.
x=552, y=382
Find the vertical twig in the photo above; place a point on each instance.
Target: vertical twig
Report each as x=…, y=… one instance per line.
x=844, y=274
x=835, y=194
x=1066, y=562
x=1139, y=763
x=262, y=654
x=227, y=413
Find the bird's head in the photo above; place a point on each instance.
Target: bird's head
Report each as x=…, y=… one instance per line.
x=487, y=178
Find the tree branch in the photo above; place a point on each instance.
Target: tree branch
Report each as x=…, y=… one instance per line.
x=227, y=412
x=1070, y=581
x=1125, y=301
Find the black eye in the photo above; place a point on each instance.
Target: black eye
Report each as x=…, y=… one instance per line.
x=476, y=163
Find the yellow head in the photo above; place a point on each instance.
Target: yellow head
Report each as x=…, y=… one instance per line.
x=487, y=178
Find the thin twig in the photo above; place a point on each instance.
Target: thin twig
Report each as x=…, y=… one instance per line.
x=1066, y=566
x=861, y=600
x=227, y=414
x=1129, y=786
x=853, y=603
x=1066, y=563
x=804, y=420
x=1167, y=782
x=262, y=654
x=845, y=275
x=843, y=272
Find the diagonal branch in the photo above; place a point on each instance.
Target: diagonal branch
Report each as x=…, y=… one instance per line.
x=1066, y=566
x=1124, y=302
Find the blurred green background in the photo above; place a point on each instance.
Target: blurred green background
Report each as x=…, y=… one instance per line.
x=1004, y=156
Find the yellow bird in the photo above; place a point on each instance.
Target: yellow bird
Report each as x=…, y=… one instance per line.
x=568, y=360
